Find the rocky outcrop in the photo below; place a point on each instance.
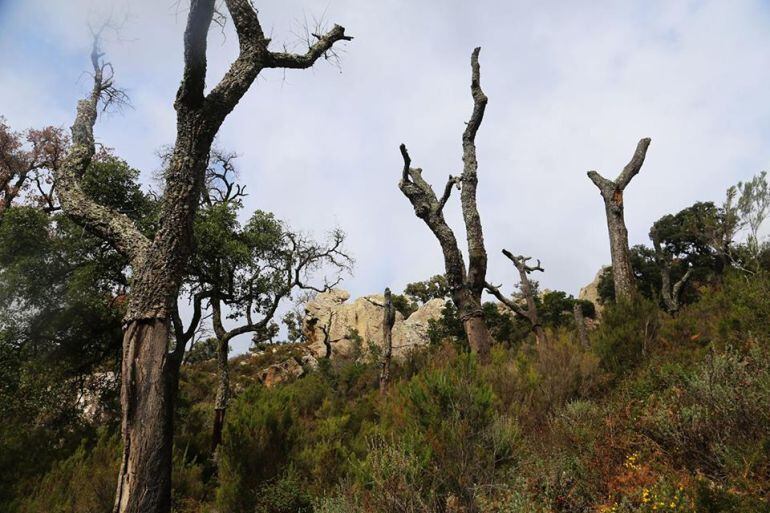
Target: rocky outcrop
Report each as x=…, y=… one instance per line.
x=351, y=326
x=281, y=372
x=591, y=291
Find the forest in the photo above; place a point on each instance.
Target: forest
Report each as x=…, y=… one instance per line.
x=463, y=392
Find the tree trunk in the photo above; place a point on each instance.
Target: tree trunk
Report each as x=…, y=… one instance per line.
x=149, y=382
x=388, y=320
x=223, y=392
x=479, y=338
x=612, y=194
x=466, y=286
x=622, y=272
x=580, y=324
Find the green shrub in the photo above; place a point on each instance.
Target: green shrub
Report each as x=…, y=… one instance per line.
x=82, y=483
x=626, y=333
x=717, y=420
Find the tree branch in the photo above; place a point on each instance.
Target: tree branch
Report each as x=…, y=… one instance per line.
x=316, y=50
x=453, y=181
x=190, y=93
x=117, y=229
x=477, y=255
x=495, y=291
x=634, y=165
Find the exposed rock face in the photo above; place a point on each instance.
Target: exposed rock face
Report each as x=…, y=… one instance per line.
x=591, y=291
x=280, y=372
x=363, y=317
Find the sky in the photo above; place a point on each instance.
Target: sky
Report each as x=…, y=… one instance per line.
x=572, y=86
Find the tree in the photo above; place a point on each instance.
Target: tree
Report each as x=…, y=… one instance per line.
x=27, y=158
x=465, y=287
x=527, y=291
x=61, y=303
x=580, y=325
x=388, y=320
x=669, y=291
x=149, y=369
x=248, y=270
x=612, y=193
x=435, y=287
x=753, y=205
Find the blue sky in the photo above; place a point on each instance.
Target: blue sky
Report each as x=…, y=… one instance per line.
x=572, y=86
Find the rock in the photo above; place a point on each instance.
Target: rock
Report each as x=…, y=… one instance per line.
x=362, y=317
x=281, y=372
x=591, y=291
x=413, y=332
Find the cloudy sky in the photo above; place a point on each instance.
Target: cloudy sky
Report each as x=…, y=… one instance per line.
x=572, y=85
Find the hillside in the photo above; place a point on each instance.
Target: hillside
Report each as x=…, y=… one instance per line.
x=661, y=414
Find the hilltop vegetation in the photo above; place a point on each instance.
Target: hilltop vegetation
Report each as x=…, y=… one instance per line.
x=662, y=414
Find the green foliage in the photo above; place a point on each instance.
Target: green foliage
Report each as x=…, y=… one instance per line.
x=716, y=420
x=81, y=483
x=61, y=307
x=435, y=287
x=626, y=333
x=404, y=305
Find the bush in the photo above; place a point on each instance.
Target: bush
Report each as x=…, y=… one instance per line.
x=717, y=420
x=82, y=483
x=625, y=334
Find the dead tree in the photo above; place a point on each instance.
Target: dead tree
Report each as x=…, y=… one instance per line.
x=149, y=370
x=580, y=324
x=612, y=193
x=527, y=291
x=465, y=287
x=669, y=292
x=388, y=320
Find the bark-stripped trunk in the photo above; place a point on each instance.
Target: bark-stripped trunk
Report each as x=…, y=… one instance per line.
x=388, y=320
x=612, y=194
x=149, y=382
x=527, y=291
x=466, y=286
x=580, y=324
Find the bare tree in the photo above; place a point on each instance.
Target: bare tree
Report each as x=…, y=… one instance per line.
x=612, y=193
x=527, y=291
x=150, y=371
x=388, y=320
x=465, y=287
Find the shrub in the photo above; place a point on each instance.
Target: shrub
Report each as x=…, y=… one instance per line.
x=82, y=483
x=626, y=333
x=717, y=420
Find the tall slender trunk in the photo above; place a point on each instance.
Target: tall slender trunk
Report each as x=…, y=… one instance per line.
x=149, y=383
x=223, y=391
x=388, y=320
